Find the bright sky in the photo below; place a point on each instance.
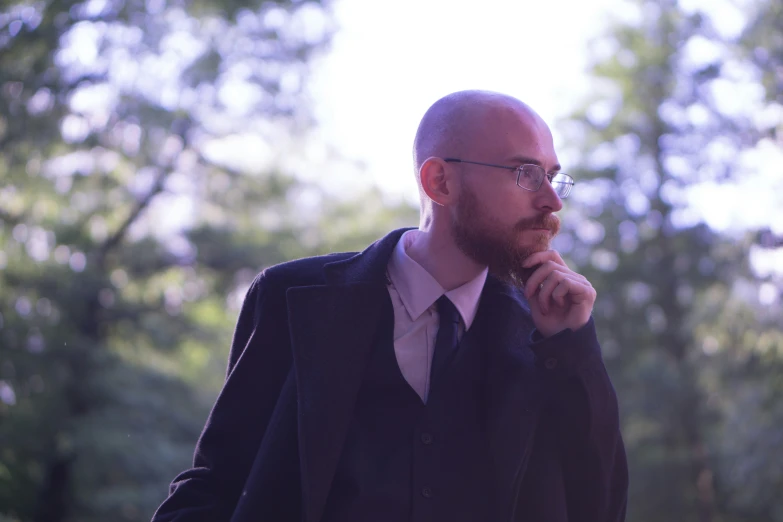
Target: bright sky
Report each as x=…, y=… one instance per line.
x=390, y=60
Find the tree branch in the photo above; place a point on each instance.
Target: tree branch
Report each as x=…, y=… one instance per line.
x=113, y=240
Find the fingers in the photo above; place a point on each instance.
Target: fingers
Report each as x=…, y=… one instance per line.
x=559, y=294
x=546, y=290
x=543, y=281
x=543, y=272
x=544, y=256
x=553, y=263
x=563, y=290
x=553, y=283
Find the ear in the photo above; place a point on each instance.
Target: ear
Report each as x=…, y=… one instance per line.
x=438, y=181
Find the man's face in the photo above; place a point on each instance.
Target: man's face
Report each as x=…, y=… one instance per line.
x=500, y=247
x=495, y=222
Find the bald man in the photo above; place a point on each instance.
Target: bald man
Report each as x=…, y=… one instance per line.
x=446, y=373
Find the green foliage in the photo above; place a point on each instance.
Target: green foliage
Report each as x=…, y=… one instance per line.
x=125, y=248
x=679, y=309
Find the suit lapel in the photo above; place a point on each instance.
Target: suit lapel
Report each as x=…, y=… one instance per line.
x=515, y=389
x=332, y=330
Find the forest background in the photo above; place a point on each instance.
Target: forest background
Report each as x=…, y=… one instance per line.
x=131, y=227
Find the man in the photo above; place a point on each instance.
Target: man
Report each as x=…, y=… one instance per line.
x=446, y=373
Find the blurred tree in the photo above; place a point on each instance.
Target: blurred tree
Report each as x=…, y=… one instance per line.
x=763, y=40
x=139, y=196
x=678, y=102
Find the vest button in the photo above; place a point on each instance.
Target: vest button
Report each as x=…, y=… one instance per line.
x=426, y=438
x=550, y=363
x=426, y=492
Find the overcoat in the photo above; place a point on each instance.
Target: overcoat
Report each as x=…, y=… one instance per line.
x=271, y=444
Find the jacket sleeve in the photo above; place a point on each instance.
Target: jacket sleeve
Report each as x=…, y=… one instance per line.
x=258, y=364
x=587, y=424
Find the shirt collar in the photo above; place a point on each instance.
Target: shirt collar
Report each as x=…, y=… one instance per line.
x=418, y=290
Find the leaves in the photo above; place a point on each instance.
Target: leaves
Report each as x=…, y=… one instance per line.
x=123, y=247
x=678, y=306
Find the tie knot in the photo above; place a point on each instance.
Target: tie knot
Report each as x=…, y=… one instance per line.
x=447, y=311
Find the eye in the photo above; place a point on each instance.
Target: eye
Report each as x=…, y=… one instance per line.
x=550, y=177
x=529, y=172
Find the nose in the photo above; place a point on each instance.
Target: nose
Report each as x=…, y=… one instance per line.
x=546, y=199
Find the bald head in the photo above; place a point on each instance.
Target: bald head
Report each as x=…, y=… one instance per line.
x=456, y=124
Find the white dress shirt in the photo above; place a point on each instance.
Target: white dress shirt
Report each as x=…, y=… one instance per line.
x=414, y=293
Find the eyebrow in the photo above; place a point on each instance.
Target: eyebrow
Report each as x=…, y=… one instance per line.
x=524, y=159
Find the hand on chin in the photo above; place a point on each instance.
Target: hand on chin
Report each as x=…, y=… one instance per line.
x=559, y=297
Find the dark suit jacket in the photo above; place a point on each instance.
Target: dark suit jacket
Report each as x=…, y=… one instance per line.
x=270, y=447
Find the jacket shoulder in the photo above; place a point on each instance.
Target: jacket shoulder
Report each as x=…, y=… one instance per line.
x=299, y=272
x=266, y=294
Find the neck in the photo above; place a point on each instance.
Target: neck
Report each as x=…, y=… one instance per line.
x=439, y=256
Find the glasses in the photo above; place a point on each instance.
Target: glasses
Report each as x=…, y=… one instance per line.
x=530, y=177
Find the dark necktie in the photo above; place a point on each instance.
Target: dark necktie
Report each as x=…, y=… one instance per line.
x=446, y=339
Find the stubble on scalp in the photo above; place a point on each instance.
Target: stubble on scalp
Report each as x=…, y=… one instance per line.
x=453, y=122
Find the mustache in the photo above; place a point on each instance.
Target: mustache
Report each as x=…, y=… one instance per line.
x=548, y=221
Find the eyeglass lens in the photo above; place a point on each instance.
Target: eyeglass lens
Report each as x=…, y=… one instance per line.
x=532, y=176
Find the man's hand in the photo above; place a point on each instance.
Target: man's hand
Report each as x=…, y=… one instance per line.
x=559, y=297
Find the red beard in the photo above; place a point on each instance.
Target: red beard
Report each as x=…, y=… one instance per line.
x=500, y=249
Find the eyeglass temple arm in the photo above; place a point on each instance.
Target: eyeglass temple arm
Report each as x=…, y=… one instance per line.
x=455, y=160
